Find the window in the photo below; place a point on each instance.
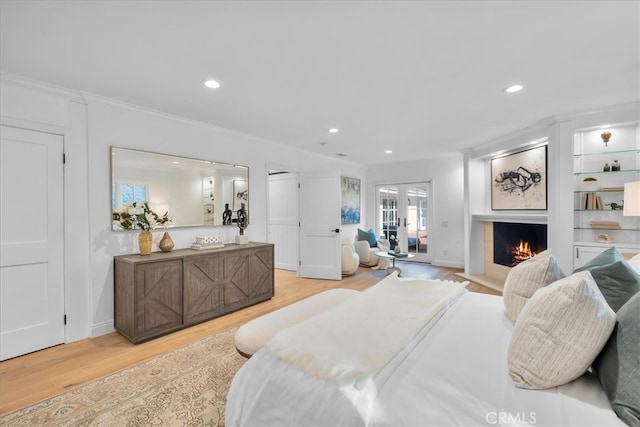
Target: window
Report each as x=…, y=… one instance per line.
x=128, y=193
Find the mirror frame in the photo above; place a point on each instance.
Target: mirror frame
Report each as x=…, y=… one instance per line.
x=231, y=187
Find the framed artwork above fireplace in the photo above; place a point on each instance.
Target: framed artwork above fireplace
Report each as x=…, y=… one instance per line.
x=519, y=180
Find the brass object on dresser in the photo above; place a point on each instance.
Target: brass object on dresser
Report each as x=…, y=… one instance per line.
x=168, y=291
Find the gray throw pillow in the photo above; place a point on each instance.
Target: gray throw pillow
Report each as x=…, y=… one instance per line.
x=609, y=256
x=618, y=364
x=617, y=281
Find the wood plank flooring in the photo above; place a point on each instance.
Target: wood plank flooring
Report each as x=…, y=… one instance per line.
x=37, y=376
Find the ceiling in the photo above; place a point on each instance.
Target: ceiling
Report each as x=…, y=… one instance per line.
x=421, y=78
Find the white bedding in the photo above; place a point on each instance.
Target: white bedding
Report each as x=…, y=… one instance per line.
x=336, y=345
x=455, y=375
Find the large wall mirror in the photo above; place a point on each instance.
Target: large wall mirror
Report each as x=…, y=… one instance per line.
x=195, y=192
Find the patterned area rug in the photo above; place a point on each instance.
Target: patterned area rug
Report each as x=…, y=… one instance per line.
x=185, y=387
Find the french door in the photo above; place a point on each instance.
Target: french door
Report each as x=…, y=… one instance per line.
x=404, y=217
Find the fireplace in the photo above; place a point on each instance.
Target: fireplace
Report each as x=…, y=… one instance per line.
x=517, y=242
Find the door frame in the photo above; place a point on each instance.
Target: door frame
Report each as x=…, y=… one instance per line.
x=279, y=167
x=77, y=254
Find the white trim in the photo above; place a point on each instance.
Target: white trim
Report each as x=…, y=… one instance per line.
x=103, y=328
x=518, y=218
x=24, y=82
x=447, y=263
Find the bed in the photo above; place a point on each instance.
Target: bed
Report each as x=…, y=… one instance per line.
x=452, y=371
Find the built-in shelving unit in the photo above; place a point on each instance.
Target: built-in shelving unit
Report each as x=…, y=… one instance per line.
x=604, y=160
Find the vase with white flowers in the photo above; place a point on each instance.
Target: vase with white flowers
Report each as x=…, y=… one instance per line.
x=138, y=215
x=397, y=242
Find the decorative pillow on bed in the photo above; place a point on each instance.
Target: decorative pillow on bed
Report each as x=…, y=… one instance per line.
x=617, y=281
x=618, y=365
x=615, y=277
x=526, y=278
x=559, y=333
x=369, y=236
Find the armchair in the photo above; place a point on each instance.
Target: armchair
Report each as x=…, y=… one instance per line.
x=350, y=260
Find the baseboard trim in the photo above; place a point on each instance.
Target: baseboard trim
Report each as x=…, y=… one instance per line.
x=447, y=263
x=103, y=328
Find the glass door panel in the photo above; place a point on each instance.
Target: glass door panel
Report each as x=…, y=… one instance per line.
x=403, y=217
x=388, y=213
x=417, y=215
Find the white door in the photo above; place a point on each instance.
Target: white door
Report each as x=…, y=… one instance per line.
x=283, y=219
x=320, y=226
x=31, y=241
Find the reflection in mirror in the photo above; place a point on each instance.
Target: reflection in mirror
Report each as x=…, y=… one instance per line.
x=195, y=192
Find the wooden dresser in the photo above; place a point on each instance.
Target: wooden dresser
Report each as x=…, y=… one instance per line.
x=164, y=292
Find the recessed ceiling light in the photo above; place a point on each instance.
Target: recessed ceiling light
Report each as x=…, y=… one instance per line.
x=334, y=130
x=175, y=162
x=212, y=84
x=513, y=88
x=388, y=151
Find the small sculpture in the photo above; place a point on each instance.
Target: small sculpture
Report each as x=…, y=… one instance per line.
x=615, y=206
x=242, y=224
x=242, y=219
x=605, y=137
x=615, y=166
x=226, y=215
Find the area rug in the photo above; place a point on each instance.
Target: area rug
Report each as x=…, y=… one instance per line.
x=185, y=387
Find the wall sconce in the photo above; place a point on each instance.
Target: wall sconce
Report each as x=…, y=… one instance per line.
x=631, y=199
x=605, y=137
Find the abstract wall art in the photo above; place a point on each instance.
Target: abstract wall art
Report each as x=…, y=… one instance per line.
x=350, y=200
x=519, y=180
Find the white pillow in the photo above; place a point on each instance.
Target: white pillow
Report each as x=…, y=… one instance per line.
x=526, y=278
x=559, y=333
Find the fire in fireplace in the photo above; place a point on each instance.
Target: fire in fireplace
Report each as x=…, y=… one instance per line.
x=517, y=242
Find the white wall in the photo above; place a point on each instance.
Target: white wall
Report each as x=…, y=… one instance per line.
x=447, y=178
x=90, y=125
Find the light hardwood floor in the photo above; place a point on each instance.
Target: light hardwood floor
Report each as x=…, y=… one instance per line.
x=34, y=377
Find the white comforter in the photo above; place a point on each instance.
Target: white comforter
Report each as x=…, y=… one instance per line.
x=455, y=375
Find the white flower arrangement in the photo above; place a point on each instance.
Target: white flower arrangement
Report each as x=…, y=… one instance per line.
x=138, y=215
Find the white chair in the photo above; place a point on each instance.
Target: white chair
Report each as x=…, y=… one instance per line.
x=350, y=260
x=366, y=253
